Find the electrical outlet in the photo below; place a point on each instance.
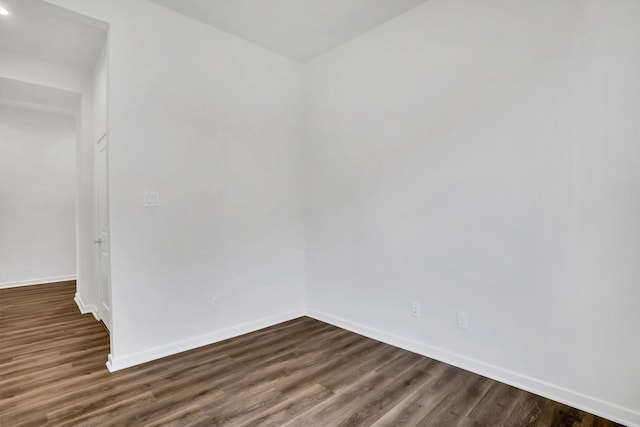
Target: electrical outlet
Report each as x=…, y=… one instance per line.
x=215, y=304
x=415, y=309
x=463, y=320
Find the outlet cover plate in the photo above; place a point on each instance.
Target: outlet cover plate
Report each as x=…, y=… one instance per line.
x=463, y=320
x=415, y=309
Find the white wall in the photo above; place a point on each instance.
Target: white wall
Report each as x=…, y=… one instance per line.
x=99, y=95
x=37, y=209
x=481, y=156
x=214, y=124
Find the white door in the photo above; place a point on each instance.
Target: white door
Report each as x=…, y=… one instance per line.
x=104, y=265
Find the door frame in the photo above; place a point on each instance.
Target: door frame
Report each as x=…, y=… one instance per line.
x=103, y=266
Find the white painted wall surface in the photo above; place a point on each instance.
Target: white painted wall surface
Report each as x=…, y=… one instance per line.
x=99, y=90
x=37, y=197
x=215, y=125
x=481, y=156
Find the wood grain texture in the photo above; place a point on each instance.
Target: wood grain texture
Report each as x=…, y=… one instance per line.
x=298, y=373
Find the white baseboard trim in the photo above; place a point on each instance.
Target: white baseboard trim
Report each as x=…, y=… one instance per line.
x=110, y=363
x=572, y=398
x=41, y=281
x=118, y=363
x=86, y=308
x=106, y=316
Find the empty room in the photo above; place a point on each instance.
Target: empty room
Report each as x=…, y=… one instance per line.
x=319, y=212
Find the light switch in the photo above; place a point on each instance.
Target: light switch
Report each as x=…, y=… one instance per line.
x=151, y=198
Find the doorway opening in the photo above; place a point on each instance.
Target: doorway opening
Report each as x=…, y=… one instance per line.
x=53, y=111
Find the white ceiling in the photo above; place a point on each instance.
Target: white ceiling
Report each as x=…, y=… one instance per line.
x=46, y=32
x=36, y=97
x=38, y=30
x=298, y=29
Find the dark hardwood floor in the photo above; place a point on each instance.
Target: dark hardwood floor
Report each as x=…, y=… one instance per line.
x=299, y=373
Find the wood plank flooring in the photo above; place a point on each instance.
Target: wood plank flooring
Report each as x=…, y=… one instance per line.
x=299, y=373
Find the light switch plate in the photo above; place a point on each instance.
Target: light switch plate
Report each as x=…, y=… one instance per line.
x=151, y=199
